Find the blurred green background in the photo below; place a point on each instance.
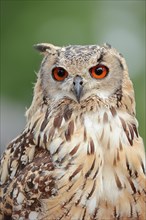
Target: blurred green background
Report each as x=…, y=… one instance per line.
x=24, y=23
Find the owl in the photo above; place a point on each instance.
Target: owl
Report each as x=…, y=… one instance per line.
x=80, y=156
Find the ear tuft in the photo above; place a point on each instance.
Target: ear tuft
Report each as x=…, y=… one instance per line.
x=41, y=47
x=108, y=45
x=45, y=47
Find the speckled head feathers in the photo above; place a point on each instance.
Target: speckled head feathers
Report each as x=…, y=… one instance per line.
x=77, y=61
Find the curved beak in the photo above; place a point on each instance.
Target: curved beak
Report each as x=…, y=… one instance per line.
x=78, y=87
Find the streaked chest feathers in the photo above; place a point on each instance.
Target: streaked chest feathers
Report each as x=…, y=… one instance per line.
x=96, y=161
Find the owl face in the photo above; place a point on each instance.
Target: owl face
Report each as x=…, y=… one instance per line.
x=78, y=72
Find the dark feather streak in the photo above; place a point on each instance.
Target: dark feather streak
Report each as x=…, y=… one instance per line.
x=71, y=127
x=132, y=185
x=45, y=140
x=131, y=210
x=68, y=201
x=67, y=114
x=108, y=144
x=120, y=63
x=31, y=138
x=105, y=118
x=70, y=187
x=76, y=172
x=128, y=167
x=135, y=129
x=92, y=148
x=92, y=191
x=57, y=121
x=57, y=150
x=69, y=131
x=96, y=173
x=142, y=165
x=83, y=218
x=91, y=168
x=136, y=173
x=34, y=125
x=126, y=131
x=120, y=146
x=100, y=59
x=102, y=135
x=115, y=212
x=114, y=162
x=118, y=155
x=96, y=212
x=39, y=138
x=85, y=135
x=118, y=182
x=131, y=132
x=113, y=111
x=74, y=150
x=44, y=124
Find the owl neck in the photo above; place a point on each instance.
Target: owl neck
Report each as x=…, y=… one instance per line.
x=94, y=125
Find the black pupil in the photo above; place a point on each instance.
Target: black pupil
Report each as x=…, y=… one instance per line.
x=98, y=71
x=61, y=72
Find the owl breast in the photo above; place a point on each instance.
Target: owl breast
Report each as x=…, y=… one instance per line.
x=85, y=147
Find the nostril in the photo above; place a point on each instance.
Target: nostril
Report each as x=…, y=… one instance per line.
x=78, y=81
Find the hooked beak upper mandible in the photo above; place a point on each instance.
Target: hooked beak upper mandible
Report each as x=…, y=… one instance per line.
x=78, y=86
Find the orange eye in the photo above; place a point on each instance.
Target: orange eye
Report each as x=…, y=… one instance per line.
x=59, y=73
x=99, y=71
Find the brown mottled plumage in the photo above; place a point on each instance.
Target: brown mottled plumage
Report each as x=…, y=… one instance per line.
x=80, y=155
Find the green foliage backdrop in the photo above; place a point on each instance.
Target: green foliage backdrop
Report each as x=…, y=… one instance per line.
x=24, y=23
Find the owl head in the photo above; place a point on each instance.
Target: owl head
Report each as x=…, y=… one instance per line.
x=82, y=72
